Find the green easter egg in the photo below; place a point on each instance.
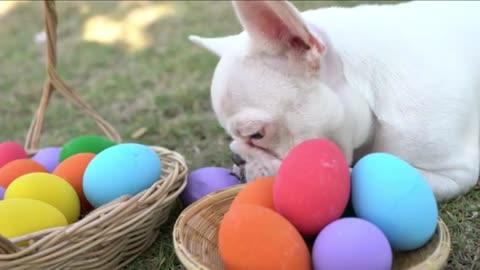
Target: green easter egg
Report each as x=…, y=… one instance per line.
x=85, y=144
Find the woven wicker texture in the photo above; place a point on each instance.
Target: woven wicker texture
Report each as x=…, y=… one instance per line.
x=195, y=237
x=112, y=235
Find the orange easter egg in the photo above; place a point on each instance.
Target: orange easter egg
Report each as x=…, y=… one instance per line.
x=72, y=170
x=258, y=192
x=255, y=237
x=14, y=169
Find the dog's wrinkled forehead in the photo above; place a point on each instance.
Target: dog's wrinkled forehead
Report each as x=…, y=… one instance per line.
x=241, y=81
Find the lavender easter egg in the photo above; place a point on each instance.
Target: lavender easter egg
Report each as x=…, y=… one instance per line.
x=206, y=180
x=352, y=243
x=2, y=192
x=48, y=157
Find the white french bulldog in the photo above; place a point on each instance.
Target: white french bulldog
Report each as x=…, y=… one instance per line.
x=402, y=79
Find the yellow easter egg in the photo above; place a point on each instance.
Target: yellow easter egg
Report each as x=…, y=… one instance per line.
x=48, y=188
x=23, y=216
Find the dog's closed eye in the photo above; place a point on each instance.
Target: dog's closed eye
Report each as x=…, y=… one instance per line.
x=250, y=125
x=257, y=135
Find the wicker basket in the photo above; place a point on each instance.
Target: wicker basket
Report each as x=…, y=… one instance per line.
x=195, y=237
x=112, y=235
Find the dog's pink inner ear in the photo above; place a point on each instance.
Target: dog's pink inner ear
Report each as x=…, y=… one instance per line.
x=265, y=22
x=261, y=22
x=277, y=24
x=298, y=44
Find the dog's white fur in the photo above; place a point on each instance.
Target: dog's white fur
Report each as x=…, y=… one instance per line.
x=402, y=79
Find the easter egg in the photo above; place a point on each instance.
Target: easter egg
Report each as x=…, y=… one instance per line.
x=312, y=185
x=49, y=157
x=17, y=168
x=351, y=243
x=20, y=216
x=255, y=237
x=204, y=181
x=258, y=192
x=394, y=196
x=123, y=169
x=72, y=170
x=10, y=151
x=85, y=144
x=48, y=188
x=2, y=192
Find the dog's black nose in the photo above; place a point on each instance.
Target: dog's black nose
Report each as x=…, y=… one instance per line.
x=238, y=160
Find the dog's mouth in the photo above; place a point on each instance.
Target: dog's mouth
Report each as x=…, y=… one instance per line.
x=239, y=172
x=240, y=165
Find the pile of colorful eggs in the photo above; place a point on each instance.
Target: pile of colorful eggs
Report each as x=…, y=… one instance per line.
x=316, y=214
x=59, y=185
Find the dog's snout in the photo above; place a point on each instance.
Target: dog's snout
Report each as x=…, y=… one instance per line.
x=238, y=160
x=239, y=167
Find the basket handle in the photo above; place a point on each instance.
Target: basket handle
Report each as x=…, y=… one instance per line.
x=54, y=82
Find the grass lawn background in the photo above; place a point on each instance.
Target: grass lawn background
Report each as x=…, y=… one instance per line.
x=132, y=61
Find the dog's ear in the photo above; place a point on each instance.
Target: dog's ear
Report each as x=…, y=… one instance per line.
x=217, y=45
x=277, y=27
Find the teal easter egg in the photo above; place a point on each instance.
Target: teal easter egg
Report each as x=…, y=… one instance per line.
x=123, y=169
x=394, y=196
x=84, y=144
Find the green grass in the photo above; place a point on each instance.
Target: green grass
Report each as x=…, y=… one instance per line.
x=163, y=86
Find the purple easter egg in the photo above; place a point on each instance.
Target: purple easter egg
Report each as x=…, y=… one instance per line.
x=206, y=180
x=48, y=157
x=351, y=243
x=2, y=192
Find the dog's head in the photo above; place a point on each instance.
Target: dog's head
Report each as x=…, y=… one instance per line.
x=268, y=89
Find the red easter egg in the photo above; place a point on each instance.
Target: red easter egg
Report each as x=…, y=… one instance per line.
x=312, y=185
x=10, y=151
x=255, y=237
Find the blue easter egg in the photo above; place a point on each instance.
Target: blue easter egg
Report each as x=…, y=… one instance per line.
x=394, y=196
x=123, y=169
